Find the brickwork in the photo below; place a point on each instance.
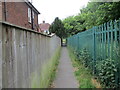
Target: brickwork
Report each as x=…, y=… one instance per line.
x=17, y=13
x=36, y=20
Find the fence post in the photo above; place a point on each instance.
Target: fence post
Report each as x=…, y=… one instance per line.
x=0, y=56
x=78, y=43
x=94, y=51
x=119, y=56
x=116, y=56
x=108, y=37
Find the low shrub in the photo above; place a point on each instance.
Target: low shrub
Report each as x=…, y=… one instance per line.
x=107, y=72
x=85, y=58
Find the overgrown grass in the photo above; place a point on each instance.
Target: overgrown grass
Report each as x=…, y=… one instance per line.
x=48, y=72
x=82, y=74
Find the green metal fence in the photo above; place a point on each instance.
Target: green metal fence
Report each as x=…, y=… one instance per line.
x=102, y=42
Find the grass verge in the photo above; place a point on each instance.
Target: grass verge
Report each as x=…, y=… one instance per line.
x=82, y=74
x=48, y=72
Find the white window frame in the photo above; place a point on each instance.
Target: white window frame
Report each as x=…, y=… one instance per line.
x=29, y=15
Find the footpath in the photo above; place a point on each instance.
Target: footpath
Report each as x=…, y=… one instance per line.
x=65, y=74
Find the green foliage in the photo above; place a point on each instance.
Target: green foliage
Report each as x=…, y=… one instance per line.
x=73, y=25
x=96, y=13
x=86, y=58
x=107, y=70
x=57, y=27
x=82, y=74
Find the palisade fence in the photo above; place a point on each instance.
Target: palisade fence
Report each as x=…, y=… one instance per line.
x=23, y=52
x=102, y=42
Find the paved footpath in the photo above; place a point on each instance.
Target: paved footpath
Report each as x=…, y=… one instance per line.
x=65, y=75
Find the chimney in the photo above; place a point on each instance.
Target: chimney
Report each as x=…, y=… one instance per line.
x=43, y=21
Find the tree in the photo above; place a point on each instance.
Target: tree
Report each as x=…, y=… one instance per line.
x=69, y=24
x=57, y=27
x=95, y=14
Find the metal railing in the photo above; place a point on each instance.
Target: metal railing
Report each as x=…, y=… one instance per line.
x=102, y=42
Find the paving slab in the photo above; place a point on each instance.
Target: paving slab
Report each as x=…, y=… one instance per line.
x=65, y=74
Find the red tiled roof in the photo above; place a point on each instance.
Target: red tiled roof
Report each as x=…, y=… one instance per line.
x=44, y=26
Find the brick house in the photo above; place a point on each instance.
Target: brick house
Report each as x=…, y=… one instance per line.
x=20, y=13
x=44, y=27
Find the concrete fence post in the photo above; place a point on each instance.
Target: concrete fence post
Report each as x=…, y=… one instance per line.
x=0, y=56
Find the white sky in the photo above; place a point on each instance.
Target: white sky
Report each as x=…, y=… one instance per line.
x=50, y=9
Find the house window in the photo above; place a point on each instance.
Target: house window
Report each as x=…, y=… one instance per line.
x=29, y=15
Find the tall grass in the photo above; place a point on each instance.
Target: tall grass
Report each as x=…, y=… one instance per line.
x=48, y=72
x=82, y=74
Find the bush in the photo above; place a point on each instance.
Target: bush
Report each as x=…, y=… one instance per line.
x=86, y=58
x=106, y=72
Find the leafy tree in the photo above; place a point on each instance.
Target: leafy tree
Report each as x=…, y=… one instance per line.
x=96, y=13
x=57, y=27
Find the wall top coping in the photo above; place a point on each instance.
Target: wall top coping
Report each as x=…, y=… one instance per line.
x=24, y=29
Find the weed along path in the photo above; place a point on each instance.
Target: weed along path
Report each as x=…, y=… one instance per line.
x=65, y=74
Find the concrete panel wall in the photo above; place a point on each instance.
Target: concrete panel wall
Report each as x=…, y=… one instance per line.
x=0, y=56
x=23, y=52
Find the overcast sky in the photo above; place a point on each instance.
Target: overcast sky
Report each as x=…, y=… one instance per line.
x=50, y=9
